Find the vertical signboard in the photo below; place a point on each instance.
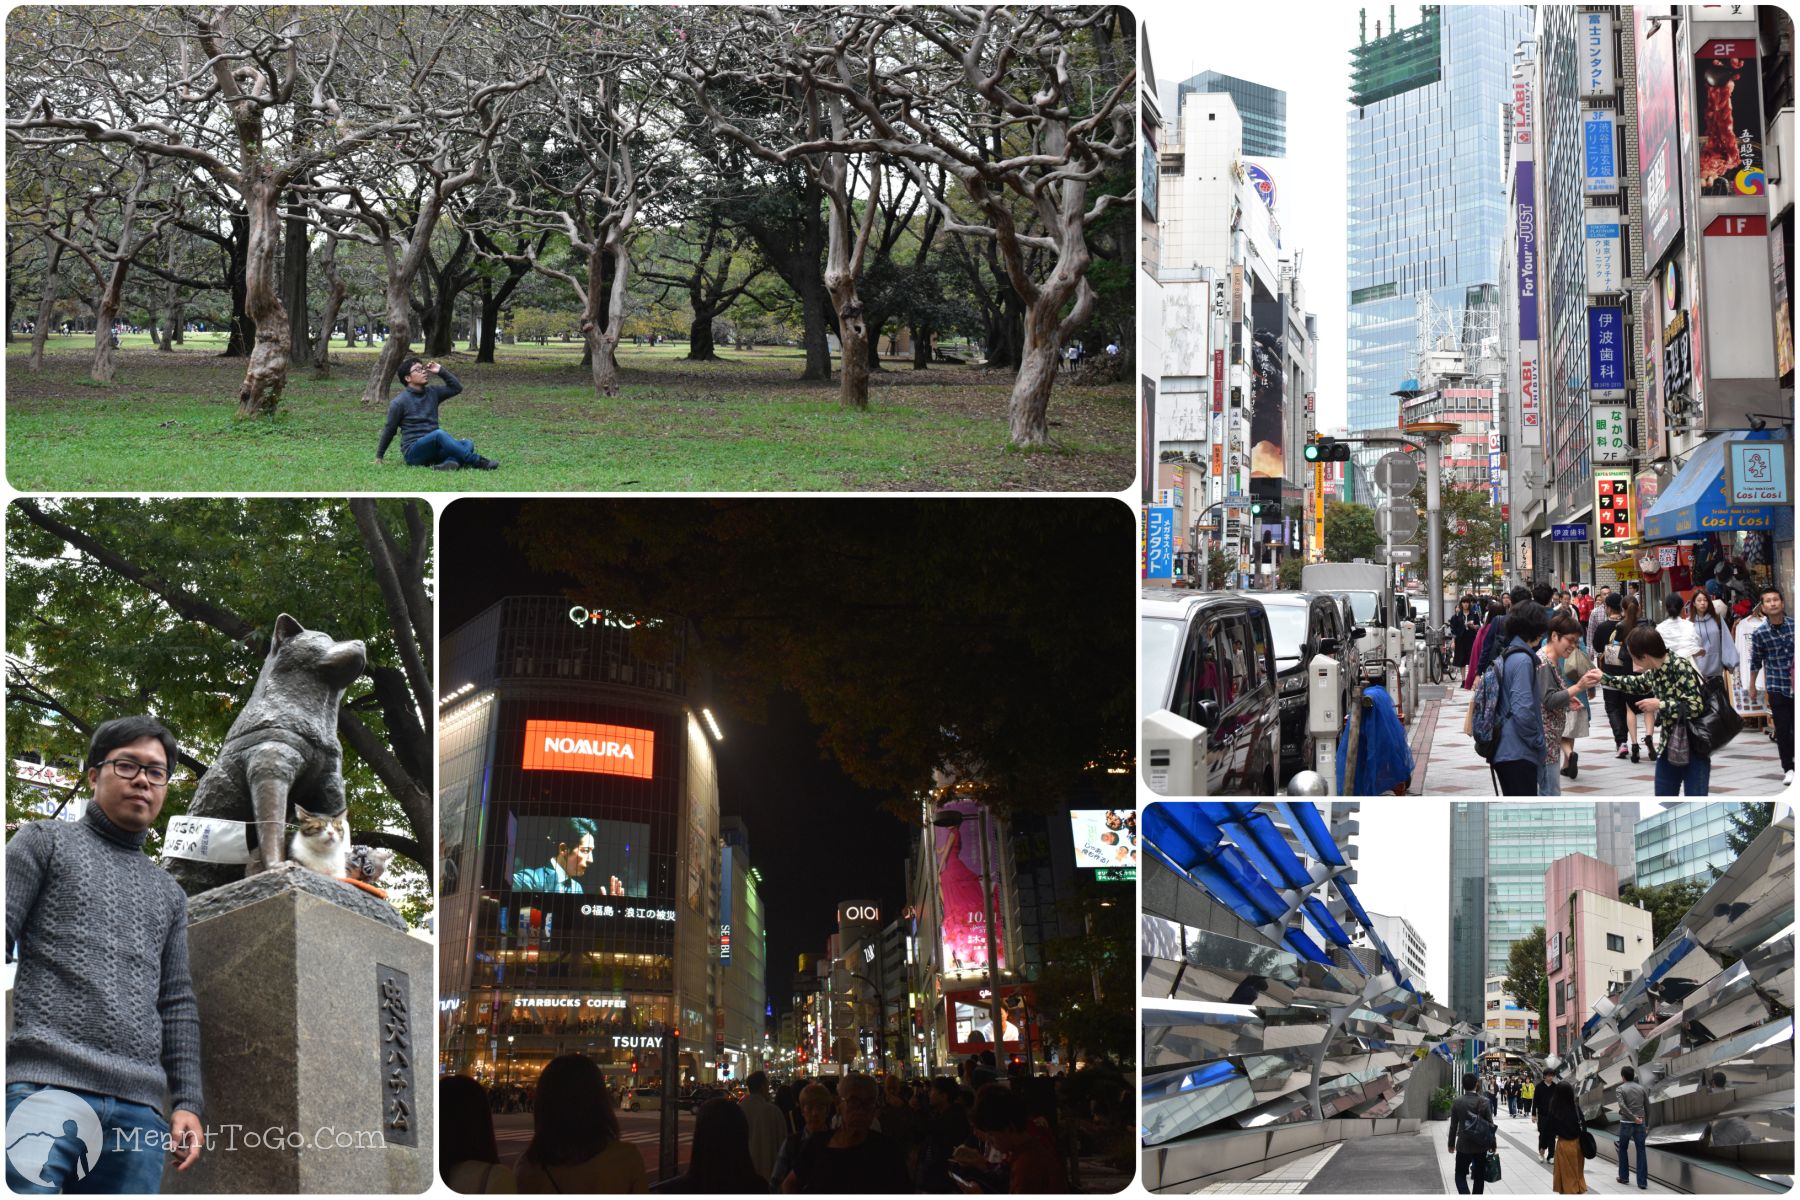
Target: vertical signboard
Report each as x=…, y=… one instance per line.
x=1727, y=97
x=1657, y=156
x=1611, y=443
x=1594, y=37
x=1607, y=348
x=1740, y=341
x=1531, y=432
x=959, y=883
x=1605, y=252
x=1615, y=510
x=1147, y=436
x=1159, y=543
x=1218, y=382
x=1599, y=154
x=1268, y=394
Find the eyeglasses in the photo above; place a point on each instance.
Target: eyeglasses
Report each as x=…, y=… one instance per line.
x=128, y=768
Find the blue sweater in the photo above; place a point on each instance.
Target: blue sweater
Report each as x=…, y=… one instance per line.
x=1522, y=732
x=415, y=414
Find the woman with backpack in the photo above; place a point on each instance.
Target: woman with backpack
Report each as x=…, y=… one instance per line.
x=1525, y=703
x=1674, y=694
x=1621, y=710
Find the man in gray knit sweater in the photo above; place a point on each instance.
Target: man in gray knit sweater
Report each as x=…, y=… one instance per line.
x=104, y=1019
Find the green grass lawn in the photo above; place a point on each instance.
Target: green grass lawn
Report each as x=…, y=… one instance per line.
x=169, y=422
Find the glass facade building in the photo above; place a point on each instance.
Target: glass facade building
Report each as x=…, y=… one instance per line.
x=1683, y=842
x=1498, y=855
x=1262, y=108
x=1427, y=209
x=579, y=840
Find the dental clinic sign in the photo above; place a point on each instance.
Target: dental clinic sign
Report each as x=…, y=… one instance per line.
x=595, y=749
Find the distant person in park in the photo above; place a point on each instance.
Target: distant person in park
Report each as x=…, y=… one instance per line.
x=103, y=1009
x=413, y=413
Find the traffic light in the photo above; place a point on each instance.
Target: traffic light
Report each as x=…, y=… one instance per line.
x=634, y=1066
x=1325, y=449
x=1256, y=509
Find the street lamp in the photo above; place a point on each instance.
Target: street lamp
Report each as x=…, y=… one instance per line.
x=951, y=820
x=511, y=1061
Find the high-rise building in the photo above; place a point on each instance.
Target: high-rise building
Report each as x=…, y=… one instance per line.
x=1592, y=942
x=1683, y=842
x=1498, y=856
x=743, y=956
x=579, y=827
x=1263, y=108
x=1408, y=948
x=1427, y=209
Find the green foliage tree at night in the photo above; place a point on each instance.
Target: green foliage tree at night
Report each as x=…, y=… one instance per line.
x=118, y=606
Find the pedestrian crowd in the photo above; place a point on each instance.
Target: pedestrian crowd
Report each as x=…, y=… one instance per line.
x=844, y=1135
x=1563, y=1140
x=1539, y=660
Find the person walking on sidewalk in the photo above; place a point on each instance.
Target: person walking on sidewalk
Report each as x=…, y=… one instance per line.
x=1772, y=652
x=1563, y=1119
x=1525, y=1092
x=1546, y=1139
x=1634, y=1123
x=1622, y=711
x=1673, y=693
x=1572, y=664
x=1471, y=1134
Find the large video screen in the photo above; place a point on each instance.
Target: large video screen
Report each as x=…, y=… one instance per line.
x=578, y=855
x=1105, y=838
x=972, y=1021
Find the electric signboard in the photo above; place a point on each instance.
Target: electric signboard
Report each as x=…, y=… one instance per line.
x=958, y=853
x=581, y=746
x=576, y=855
x=1105, y=838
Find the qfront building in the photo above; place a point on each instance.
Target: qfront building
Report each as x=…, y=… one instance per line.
x=580, y=873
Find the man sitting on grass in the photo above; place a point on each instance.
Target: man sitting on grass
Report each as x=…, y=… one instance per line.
x=414, y=412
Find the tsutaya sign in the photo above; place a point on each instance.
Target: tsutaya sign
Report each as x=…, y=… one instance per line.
x=598, y=749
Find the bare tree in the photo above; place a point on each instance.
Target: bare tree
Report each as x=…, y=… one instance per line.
x=261, y=99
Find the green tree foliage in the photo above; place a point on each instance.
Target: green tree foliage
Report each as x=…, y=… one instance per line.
x=1747, y=823
x=1074, y=968
x=1473, y=533
x=938, y=633
x=1291, y=567
x=1666, y=904
x=1350, y=532
x=1525, y=978
x=165, y=607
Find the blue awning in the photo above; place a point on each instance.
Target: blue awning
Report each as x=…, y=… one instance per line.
x=1693, y=505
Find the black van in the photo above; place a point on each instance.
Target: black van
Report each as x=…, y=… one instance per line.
x=1208, y=657
x=1306, y=624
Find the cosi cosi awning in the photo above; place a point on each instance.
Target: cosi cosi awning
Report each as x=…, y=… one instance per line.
x=1694, y=504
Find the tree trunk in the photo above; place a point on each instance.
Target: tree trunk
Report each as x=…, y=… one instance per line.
x=1006, y=335
x=243, y=326
x=398, y=343
x=264, y=316
x=700, y=335
x=46, y=309
x=921, y=348
x=293, y=282
x=814, y=305
x=106, y=311
x=336, y=288
x=440, y=332
x=1027, y=408
x=490, y=320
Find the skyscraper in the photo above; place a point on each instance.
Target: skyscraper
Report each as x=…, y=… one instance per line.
x=1683, y=842
x=1427, y=208
x=1498, y=856
x=1263, y=108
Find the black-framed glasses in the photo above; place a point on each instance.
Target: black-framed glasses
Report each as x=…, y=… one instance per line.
x=128, y=768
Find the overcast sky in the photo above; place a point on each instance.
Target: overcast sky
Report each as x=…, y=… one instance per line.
x=1303, y=48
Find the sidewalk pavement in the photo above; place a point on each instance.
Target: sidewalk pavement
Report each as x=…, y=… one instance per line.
x=1447, y=764
x=1421, y=1164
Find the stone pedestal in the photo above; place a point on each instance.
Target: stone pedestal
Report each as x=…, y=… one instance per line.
x=316, y=1023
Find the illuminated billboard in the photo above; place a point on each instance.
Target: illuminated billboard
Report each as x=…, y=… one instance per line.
x=959, y=882
x=1105, y=838
x=578, y=856
x=970, y=1019
x=596, y=749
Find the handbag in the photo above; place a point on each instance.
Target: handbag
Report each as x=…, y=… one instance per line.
x=1614, y=654
x=1491, y=1168
x=1718, y=722
x=1588, y=1148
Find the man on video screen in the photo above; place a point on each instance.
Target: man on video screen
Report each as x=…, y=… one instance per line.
x=574, y=855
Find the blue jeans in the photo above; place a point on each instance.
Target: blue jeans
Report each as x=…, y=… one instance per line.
x=1691, y=779
x=1629, y=1132
x=1549, y=781
x=438, y=446
x=81, y=1142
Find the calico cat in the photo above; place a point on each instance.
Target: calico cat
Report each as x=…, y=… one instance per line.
x=368, y=863
x=321, y=844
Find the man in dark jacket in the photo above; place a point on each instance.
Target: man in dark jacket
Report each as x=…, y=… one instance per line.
x=1470, y=1146
x=414, y=414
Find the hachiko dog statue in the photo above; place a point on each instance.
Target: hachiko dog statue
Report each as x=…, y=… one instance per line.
x=282, y=750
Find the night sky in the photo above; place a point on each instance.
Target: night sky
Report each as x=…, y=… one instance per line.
x=817, y=837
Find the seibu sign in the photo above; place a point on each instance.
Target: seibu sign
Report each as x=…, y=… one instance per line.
x=597, y=749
